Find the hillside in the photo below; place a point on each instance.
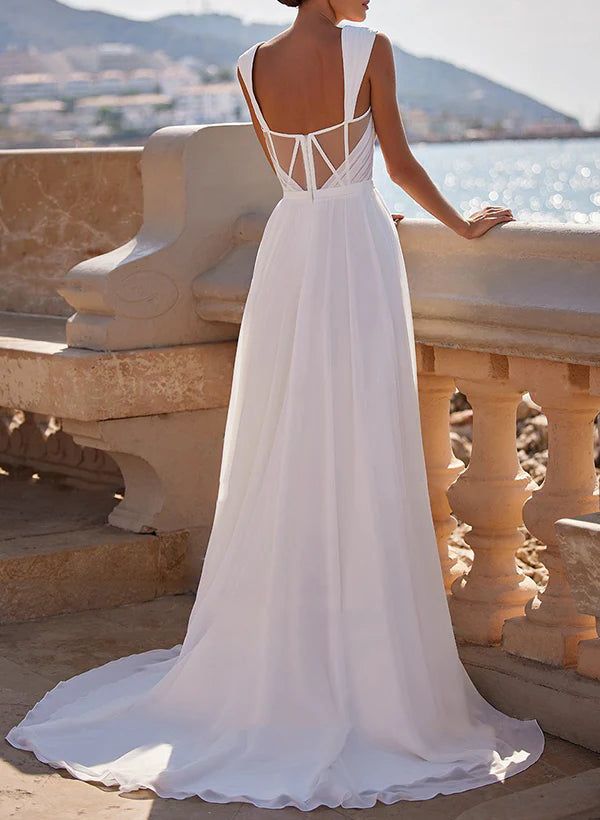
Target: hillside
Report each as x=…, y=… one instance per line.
x=434, y=85
x=50, y=26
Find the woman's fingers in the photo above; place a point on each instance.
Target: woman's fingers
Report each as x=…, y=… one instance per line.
x=492, y=213
x=484, y=221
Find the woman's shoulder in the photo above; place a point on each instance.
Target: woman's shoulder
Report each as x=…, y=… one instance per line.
x=369, y=40
x=361, y=32
x=265, y=43
x=382, y=53
x=372, y=44
x=246, y=54
x=368, y=33
x=365, y=34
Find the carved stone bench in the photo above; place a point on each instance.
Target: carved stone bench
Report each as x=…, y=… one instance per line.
x=135, y=375
x=159, y=413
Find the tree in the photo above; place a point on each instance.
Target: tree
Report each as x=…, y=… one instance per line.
x=111, y=117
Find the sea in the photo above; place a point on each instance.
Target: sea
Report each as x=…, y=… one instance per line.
x=541, y=181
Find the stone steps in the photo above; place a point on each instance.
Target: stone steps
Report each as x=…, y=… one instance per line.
x=58, y=555
x=576, y=797
x=82, y=569
x=564, y=703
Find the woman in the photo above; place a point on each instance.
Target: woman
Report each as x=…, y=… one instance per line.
x=319, y=665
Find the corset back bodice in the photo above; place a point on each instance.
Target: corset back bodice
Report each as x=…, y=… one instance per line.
x=334, y=157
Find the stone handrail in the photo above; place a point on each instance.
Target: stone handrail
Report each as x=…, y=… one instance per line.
x=503, y=293
x=197, y=183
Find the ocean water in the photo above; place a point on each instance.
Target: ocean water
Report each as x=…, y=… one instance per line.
x=556, y=181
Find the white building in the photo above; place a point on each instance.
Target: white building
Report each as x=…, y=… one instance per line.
x=112, y=81
x=39, y=115
x=17, y=87
x=211, y=102
x=79, y=84
x=176, y=79
x=141, y=112
x=143, y=80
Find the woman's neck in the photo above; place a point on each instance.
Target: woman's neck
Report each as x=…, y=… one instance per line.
x=316, y=15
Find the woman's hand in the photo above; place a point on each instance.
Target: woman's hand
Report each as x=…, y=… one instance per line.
x=481, y=221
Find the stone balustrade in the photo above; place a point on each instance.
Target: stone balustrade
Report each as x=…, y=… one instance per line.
x=147, y=356
x=517, y=313
x=34, y=443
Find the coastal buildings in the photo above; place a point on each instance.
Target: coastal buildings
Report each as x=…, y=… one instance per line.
x=115, y=94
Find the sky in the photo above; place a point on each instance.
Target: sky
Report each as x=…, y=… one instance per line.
x=549, y=49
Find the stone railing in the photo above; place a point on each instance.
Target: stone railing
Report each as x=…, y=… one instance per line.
x=516, y=312
x=32, y=443
x=147, y=358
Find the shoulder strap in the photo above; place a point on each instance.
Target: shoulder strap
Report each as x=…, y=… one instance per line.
x=245, y=64
x=357, y=44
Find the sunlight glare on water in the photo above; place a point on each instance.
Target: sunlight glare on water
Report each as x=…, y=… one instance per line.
x=554, y=181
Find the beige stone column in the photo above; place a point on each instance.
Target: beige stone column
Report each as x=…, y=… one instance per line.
x=588, y=656
x=442, y=465
x=552, y=626
x=489, y=496
x=579, y=542
x=170, y=464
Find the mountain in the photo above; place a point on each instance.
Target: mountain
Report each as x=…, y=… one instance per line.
x=50, y=26
x=441, y=87
x=423, y=82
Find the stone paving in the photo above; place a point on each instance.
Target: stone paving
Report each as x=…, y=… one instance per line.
x=35, y=655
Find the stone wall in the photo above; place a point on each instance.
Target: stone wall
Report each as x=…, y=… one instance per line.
x=57, y=208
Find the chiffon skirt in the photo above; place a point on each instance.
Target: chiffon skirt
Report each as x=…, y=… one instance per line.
x=319, y=665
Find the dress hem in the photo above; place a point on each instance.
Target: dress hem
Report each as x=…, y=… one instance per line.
x=392, y=794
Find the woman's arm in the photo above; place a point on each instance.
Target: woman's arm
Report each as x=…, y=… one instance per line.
x=402, y=166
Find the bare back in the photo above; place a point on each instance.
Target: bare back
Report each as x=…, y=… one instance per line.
x=304, y=94
x=299, y=82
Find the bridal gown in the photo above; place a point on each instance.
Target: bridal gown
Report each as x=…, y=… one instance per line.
x=319, y=665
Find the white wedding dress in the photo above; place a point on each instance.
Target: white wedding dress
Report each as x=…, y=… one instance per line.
x=319, y=665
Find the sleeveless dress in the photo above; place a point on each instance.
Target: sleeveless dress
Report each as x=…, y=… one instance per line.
x=319, y=666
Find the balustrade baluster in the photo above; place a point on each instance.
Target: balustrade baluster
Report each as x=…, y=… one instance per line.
x=443, y=467
x=552, y=627
x=489, y=496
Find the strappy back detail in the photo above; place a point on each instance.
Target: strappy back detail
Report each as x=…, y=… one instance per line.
x=334, y=156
